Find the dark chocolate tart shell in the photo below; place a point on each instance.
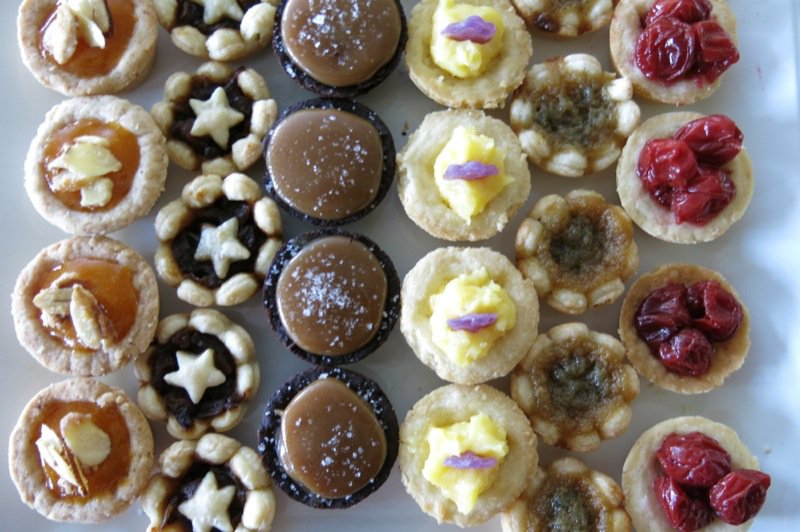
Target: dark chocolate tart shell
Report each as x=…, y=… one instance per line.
x=269, y=441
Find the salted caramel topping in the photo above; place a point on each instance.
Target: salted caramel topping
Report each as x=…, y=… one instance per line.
x=326, y=163
x=331, y=296
x=330, y=440
x=341, y=42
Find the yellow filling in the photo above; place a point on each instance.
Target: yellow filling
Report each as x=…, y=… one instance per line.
x=468, y=198
x=481, y=436
x=464, y=59
x=470, y=293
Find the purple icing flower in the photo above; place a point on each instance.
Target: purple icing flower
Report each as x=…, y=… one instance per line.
x=470, y=460
x=470, y=171
x=473, y=28
x=472, y=322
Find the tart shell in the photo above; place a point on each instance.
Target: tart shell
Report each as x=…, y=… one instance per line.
x=565, y=19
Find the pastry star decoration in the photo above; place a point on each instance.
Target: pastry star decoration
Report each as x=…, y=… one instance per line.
x=220, y=246
x=214, y=10
x=196, y=373
x=215, y=117
x=208, y=507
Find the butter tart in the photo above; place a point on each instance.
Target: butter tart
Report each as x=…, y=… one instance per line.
x=222, y=30
x=467, y=53
x=468, y=314
x=684, y=328
x=214, y=483
x=462, y=175
x=87, y=47
x=86, y=305
x=576, y=387
x=332, y=296
x=96, y=164
x=81, y=451
x=571, y=117
x=565, y=19
x=676, y=189
x=568, y=495
x=198, y=375
x=578, y=250
x=329, y=437
x=217, y=240
x=466, y=453
x=216, y=119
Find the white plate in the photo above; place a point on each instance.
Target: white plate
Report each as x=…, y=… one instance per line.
x=760, y=256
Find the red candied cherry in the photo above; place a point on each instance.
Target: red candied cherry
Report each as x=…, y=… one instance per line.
x=693, y=459
x=662, y=314
x=684, y=513
x=714, y=139
x=687, y=353
x=665, y=165
x=739, y=495
x=716, y=51
x=687, y=11
x=705, y=196
x=666, y=50
x=714, y=310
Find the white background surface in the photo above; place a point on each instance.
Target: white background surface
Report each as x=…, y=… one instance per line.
x=760, y=256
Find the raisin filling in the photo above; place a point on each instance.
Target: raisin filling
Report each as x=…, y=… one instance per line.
x=202, y=88
x=580, y=245
x=187, y=486
x=185, y=243
x=579, y=382
x=189, y=13
x=565, y=506
x=216, y=399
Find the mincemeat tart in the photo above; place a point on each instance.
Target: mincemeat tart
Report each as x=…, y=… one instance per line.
x=462, y=175
x=80, y=452
x=96, y=164
x=578, y=250
x=198, y=375
x=468, y=314
x=86, y=305
x=565, y=19
x=87, y=47
x=576, y=387
x=466, y=453
x=216, y=119
x=571, y=117
x=467, y=53
x=214, y=483
x=568, y=495
x=222, y=30
x=217, y=240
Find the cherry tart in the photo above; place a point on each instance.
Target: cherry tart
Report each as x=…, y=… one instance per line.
x=684, y=177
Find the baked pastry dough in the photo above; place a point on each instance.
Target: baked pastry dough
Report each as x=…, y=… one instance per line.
x=421, y=196
x=565, y=19
x=578, y=250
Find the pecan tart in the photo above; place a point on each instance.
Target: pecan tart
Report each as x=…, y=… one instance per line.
x=565, y=18
x=85, y=306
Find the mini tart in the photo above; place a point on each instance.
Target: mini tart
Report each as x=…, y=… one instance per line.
x=657, y=220
x=84, y=306
x=487, y=91
x=578, y=250
x=109, y=486
x=430, y=275
x=130, y=47
x=568, y=495
x=194, y=391
x=135, y=143
x=242, y=233
x=728, y=355
x=576, y=387
x=641, y=469
x=452, y=404
x=329, y=161
x=345, y=398
x=211, y=482
x=331, y=296
x=339, y=48
x=216, y=119
x=420, y=195
x=565, y=19
x=571, y=117
x=627, y=25
x=222, y=31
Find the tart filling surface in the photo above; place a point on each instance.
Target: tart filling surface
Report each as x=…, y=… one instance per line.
x=566, y=18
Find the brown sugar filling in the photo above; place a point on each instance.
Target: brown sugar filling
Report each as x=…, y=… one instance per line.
x=564, y=504
x=554, y=11
x=87, y=61
x=122, y=144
